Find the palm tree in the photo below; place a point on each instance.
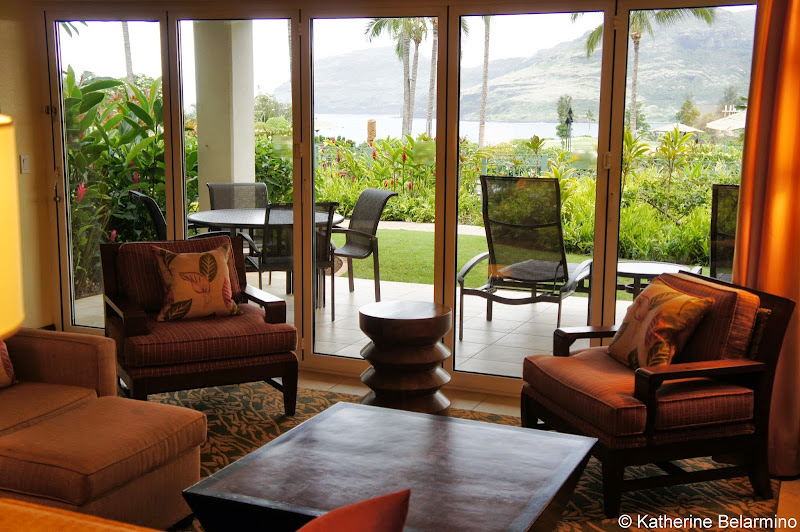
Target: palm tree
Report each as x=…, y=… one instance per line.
x=641, y=22
x=126, y=43
x=432, y=79
x=487, y=23
x=402, y=30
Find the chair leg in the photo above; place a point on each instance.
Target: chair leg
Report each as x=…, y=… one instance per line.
x=333, y=297
x=259, y=280
x=488, y=309
x=613, y=473
x=376, y=266
x=350, y=273
x=558, y=320
x=758, y=472
x=461, y=314
x=289, y=382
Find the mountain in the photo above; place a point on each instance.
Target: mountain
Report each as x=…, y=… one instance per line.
x=691, y=58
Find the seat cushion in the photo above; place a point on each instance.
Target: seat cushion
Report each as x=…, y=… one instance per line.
x=208, y=339
x=599, y=390
x=21, y=515
x=92, y=450
x=725, y=331
x=28, y=403
x=138, y=275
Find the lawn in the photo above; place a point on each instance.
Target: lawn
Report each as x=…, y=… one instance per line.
x=407, y=257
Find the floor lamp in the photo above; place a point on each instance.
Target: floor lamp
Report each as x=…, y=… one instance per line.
x=11, y=305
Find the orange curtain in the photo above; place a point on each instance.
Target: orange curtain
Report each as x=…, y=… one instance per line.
x=767, y=251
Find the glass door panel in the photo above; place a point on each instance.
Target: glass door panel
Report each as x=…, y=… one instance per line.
x=374, y=89
x=682, y=146
x=237, y=113
x=113, y=143
x=528, y=111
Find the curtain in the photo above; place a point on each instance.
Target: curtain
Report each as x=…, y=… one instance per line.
x=767, y=255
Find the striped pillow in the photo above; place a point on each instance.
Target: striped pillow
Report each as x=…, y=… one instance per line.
x=6, y=369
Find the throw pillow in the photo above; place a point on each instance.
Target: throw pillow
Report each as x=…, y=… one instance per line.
x=197, y=285
x=657, y=325
x=6, y=369
x=386, y=513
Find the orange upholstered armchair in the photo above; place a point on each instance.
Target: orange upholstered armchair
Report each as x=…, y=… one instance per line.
x=155, y=356
x=713, y=399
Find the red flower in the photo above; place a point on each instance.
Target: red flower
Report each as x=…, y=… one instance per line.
x=113, y=236
x=374, y=153
x=323, y=165
x=81, y=192
x=404, y=156
x=338, y=156
x=135, y=177
x=385, y=183
x=392, y=182
x=131, y=163
x=409, y=186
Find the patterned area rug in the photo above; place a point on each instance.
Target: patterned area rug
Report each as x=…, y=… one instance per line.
x=243, y=418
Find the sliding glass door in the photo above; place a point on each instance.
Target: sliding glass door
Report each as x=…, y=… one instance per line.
x=109, y=127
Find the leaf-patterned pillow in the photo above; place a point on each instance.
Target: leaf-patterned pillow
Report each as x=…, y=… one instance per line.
x=196, y=284
x=657, y=326
x=6, y=369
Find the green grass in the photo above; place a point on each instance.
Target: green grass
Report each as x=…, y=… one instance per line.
x=407, y=257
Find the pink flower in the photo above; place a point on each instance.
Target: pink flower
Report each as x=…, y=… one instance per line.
x=409, y=186
x=333, y=140
x=136, y=177
x=113, y=236
x=81, y=192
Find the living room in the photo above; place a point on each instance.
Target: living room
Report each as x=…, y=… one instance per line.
x=26, y=90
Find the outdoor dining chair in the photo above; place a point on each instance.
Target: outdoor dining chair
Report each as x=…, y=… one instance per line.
x=522, y=218
x=360, y=237
x=724, y=209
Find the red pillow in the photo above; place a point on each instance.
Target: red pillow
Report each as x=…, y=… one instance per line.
x=386, y=513
x=6, y=369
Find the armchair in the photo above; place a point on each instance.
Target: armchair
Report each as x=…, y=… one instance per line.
x=714, y=399
x=156, y=356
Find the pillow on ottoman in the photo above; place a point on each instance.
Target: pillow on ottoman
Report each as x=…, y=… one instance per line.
x=657, y=325
x=196, y=284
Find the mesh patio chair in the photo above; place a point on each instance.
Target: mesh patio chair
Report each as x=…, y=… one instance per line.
x=361, y=241
x=275, y=254
x=325, y=258
x=724, y=209
x=241, y=196
x=522, y=218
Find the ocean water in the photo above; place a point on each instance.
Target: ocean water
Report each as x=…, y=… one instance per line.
x=354, y=127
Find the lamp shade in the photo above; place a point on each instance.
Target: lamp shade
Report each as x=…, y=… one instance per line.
x=11, y=305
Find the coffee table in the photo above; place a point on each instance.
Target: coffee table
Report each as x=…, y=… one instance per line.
x=463, y=475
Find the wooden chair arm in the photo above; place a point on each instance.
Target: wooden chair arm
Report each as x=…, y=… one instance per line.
x=134, y=319
x=649, y=379
x=563, y=338
x=274, y=307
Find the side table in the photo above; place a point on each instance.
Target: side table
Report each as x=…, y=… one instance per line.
x=406, y=354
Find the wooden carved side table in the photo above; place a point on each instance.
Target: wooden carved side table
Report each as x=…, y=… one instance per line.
x=406, y=354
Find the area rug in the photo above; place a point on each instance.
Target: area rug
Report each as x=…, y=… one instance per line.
x=244, y=417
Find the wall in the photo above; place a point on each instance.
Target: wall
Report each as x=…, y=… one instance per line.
x=21, y=90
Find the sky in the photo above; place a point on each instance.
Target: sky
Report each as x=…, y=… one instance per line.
x=99, y=49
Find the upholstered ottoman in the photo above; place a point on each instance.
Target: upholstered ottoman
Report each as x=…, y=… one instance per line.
x=118, y=458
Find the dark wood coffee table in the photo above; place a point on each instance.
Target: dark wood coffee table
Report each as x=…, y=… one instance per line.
x=463, y=475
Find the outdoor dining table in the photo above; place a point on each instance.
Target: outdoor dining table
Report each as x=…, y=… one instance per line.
x=646, y=270
x=237, y=219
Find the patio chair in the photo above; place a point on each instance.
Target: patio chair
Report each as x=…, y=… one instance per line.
x=522, y=218
x=241, y=196
x=724, y=209
x=275, y=253
x=711, y=399
x=158, y=220
x=325, y=258
x=360, y=239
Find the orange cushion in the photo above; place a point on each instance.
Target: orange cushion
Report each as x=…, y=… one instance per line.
x=6, y=369
x=28, y=403
x=21, y=515
x=656, y=326
x=196, y=284
x=386, y=513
